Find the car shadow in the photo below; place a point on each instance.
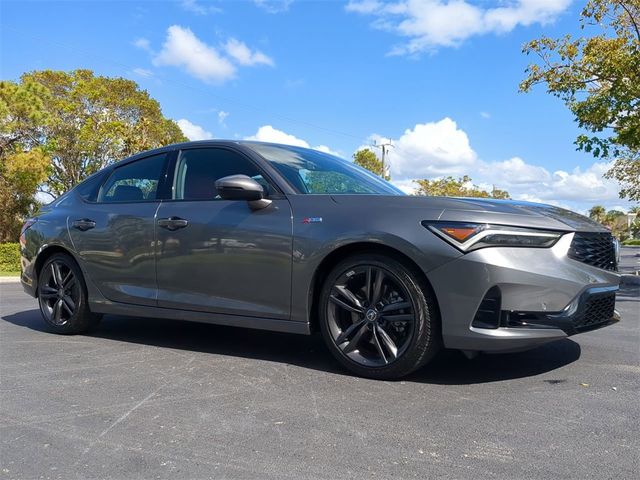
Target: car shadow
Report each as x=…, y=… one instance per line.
x=448, y=368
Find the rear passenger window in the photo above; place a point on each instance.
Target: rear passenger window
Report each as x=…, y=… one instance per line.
x=88, y=190
x=198, y=169
x=134, y=182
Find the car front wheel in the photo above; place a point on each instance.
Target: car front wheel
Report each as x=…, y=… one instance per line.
x=378, y=317
x=62, y=296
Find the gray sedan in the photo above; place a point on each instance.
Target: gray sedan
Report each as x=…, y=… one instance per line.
x=284, y=238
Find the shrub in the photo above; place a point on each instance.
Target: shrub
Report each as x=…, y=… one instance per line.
x=9, y=257
x=632, y=241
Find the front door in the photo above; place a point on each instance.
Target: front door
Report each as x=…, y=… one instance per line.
x=218, y=255
x=114, y=236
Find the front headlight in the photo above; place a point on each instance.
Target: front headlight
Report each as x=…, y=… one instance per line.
x=472, y=236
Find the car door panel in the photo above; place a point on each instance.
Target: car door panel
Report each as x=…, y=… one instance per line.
x=114, y=237
x=228, y=259
x=218, y=255
x=118, y=252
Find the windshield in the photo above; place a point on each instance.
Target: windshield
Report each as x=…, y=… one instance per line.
x=314, y=172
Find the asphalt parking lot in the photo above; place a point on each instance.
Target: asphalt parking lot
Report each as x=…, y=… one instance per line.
x=148, y=398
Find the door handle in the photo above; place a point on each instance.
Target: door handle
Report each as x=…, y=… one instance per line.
x=83, y=225
x=172, y=223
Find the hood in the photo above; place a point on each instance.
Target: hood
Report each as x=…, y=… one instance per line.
x=480, y=210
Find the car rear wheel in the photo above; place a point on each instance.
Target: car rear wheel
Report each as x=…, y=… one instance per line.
x=377, y=317
x=62, y=296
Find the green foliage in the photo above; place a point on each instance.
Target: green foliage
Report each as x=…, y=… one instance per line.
x=461, y=187
x=22, y=116
x=632, y=242
x=93, y=121
x=617, y=221
x=20, y=175
x=626, y=170
x=368, y=159
x=598, y=78
x=332, y=182
x=9, y=257
x=597, y=213
x=24, y=164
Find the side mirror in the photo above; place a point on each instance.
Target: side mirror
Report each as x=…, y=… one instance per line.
x=242, y=187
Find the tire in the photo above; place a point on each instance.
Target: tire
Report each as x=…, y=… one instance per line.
x=62, y=297
x=384, y=339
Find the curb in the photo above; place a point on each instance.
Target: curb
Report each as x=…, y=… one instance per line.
x=9, y=279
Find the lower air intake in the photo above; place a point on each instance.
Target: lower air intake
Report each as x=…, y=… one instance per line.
x=488, y=314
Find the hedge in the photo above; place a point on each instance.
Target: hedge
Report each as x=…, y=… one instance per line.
x=9, y=257
x=634, y=241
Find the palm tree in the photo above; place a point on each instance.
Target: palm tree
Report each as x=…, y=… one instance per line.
x=597, y=213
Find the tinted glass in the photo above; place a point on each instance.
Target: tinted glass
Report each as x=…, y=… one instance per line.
x=311, y=171
x=88, y=190
x=198, y=169
x=135, y=182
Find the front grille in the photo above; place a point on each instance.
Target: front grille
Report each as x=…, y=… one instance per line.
x=597, y=310
x=594, y=248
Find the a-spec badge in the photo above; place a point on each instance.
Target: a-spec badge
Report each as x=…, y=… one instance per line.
x=312, y=220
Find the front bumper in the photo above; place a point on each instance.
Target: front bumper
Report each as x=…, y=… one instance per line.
x=543, y=296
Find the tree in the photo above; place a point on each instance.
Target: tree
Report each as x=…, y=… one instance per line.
x=461, y=187
x=597, y=213
x=598, y=78
x=93, y=121
x=20, y=175
x=616, y=221
x=23, y=164
x=368, y=159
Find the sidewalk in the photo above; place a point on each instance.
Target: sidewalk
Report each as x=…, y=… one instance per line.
x=10, y=279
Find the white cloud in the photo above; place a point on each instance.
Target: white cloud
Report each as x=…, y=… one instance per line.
x=143, y=72
x=274, y=6
x=364, y=6
x=198, y=8
x=214, y=65
x=430, y=149
x=325, y=149
x=485, y=115
x=183, y=49
x=142, y=44
x=514, y=171
x=438, y=149
x=407, y=186
x=243, y=54
x=428, y=24
x=267, y=133
x=193, y=131
x=222, y=116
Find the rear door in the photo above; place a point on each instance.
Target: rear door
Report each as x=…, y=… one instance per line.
x=218, y=255
x=114, y=236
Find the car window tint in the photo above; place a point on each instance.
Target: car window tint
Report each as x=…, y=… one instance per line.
x=134, y=182
x=88, y=190
x=198, y=169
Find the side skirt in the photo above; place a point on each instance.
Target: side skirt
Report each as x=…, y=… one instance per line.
x=287, y=326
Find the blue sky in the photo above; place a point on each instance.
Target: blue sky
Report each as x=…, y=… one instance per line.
x=438, y=78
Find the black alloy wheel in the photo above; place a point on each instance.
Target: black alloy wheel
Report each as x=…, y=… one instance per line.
x=377, y=318
x=62, y=296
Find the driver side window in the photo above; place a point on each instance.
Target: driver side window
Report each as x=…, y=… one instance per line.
x=198, y=169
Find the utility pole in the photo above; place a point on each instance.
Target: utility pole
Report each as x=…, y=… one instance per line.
x=384, y=146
